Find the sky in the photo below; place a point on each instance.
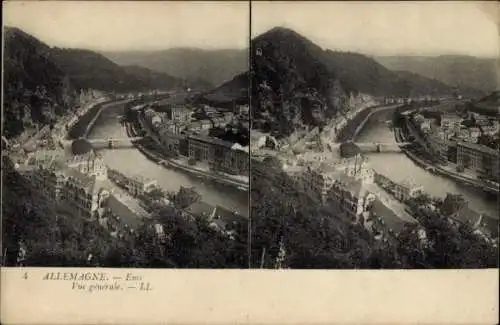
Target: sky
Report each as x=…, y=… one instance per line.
x=381, y=28
x=115, y=26
x=388, y=28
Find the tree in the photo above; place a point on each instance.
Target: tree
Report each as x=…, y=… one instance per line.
x=349, y=149
x=157, y=194
x=185, y=197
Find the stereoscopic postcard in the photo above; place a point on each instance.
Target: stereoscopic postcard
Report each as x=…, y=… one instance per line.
x=250, y=162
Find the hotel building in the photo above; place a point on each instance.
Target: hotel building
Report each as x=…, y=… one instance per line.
x=78, y=184
x=220, y=155
x=478, y=158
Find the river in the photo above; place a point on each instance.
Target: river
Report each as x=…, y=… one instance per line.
x=399, y=167
x=131, y=161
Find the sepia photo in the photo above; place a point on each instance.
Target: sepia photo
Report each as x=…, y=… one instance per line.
x=375, y=138
x=123, y=146
x=250, y=162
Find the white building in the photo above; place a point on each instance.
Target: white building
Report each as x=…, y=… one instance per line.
x=78, y=184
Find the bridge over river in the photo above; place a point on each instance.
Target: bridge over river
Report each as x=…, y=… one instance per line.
x=106, y=143
x=374, y=146
x=113, y=143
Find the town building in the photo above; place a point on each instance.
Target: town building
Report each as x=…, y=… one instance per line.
x=218, y=122
x=478, y=158
x=438, y=144
x=451, y=121
x=351, y=195
x=228, y=117
x=318, y=181
x=427, y=124
x=257, y=140
x=139, y=185
x=457, y=209
x=178, y=113
x=220, y=155
x=156, y=121
x=78, y=184
x=406, y=190
x=135, y=185
x=382, y=221
x=172, y=142
x=243, y=109
x=210, y=111
x=331, y=182
x=149, y=114
x=219, y=218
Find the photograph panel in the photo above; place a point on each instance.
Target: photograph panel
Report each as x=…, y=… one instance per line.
x=375, y=135
x=125, y=134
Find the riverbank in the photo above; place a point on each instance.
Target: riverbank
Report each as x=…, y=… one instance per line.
x=399, y=167
x=440, y=170
x=456, y=177
x=165, y=161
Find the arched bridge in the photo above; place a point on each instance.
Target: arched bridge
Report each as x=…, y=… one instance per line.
x=113, y=143
x=376, y=146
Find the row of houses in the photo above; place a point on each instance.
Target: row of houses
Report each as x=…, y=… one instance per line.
x=185, y=140
x=135, y=185
x=401, y=191
x=473, y=157
x=349, y=187
x=79, y=183
x=221, y=155
x=453, y=142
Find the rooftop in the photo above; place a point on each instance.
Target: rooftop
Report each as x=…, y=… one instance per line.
x=409, y=183
x=466, y=215
x=389, y=217
x=211, y=140
x=351, y=184
x=239, y=147
x=86, y=181
x=200, y=208
x=478, y=147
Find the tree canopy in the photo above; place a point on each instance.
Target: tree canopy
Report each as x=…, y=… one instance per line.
x=349, y=149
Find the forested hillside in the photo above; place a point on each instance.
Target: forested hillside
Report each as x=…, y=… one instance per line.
x=42, y=83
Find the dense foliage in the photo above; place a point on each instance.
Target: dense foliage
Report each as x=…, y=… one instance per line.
x=318, y=237
x=283, y=218
x=50, y=237
x=349, y=149
x=35, y=88
x=42, y=83
x=294, y=81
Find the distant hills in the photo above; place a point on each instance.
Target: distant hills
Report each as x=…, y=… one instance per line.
x=88, y=69
x=489, y=105
x=294, y=81
x=455, y=70
x=41, y=82
x=234, y=92
x=213, y=67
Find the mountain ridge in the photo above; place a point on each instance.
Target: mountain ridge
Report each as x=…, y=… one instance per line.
x=455, y=70
x=296, y=82
x=213, y=66
x=43, y=82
